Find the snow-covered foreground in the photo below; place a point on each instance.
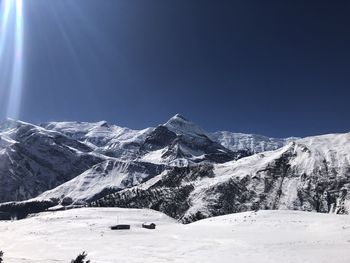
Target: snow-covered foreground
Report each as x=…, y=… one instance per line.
x=265, y=236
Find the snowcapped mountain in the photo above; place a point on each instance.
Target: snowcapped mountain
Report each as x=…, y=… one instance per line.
x=124, y=143
x=110, y=140
x=177, y=168
x=178, y=142
x=33, y=160
x=309, y=174
x=181, y=126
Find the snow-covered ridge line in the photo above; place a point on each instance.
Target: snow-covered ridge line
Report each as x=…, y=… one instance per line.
x=73, y=162
x=102, y=134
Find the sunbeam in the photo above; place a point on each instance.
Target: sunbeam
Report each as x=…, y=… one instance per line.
x=11, y=55
x=5, y=59
x=5, y=14
x=17, y=71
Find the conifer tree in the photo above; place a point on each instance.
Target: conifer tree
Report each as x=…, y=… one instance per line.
x=80, y=259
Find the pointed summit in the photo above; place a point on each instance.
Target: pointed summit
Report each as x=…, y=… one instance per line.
x=179, y=116
x=180, y=125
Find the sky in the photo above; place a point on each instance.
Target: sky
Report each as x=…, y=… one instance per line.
x=277, y=68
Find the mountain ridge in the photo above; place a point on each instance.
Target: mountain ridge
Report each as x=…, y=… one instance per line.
x=311, y=174
x=177, y=168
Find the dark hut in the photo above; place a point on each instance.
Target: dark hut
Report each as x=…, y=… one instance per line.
x=149, y=225
x=120, y=227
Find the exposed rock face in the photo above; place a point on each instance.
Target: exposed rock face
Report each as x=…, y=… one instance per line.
x=158, y=139
x=168, y=193
x=312, y=174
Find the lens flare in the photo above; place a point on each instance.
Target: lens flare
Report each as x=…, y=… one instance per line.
x=11, y=55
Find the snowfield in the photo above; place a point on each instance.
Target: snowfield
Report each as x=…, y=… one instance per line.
x=264, y=236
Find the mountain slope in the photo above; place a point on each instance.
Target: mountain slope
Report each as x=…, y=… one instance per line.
x=33, y=160
x=103, y=178
x=310, y=174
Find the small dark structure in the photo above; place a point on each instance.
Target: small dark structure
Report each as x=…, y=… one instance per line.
x=120, y=227
x=5, y=216
x=149, y=226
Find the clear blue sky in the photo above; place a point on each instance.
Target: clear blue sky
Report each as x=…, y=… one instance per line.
x=278, y=68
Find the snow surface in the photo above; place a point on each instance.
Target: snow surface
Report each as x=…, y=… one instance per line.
x=264, y=237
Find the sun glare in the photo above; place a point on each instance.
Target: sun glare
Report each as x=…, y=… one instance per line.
x=11, y=54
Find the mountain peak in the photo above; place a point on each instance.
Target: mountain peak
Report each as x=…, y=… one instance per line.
x=181, y=125
x=179, y=116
